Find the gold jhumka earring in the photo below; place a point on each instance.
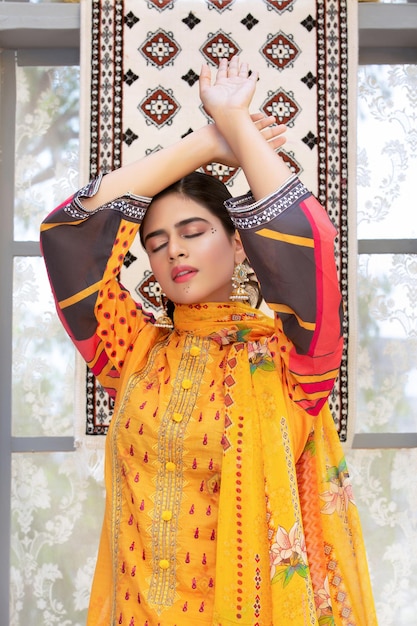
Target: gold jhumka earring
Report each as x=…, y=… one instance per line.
x=163, y=320
x=239, y=279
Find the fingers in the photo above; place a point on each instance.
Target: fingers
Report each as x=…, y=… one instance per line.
x=222, y=70
x=233, y=67
x=236, y=68
x=204, y=82
x=262, y=121
x=277, y=130
x=272, y=132
x=277, y=142
x=205, y=76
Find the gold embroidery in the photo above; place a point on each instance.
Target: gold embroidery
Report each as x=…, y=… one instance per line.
x=169, y=480
x=118, y=465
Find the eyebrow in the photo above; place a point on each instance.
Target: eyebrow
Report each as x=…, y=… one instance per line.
x=161, y=231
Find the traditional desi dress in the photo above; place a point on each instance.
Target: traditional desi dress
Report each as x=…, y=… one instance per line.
x=228, y=497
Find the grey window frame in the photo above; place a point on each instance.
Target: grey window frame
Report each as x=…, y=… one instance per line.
x=49, y=33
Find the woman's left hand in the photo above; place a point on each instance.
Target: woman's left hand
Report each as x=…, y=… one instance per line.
x=232, y=89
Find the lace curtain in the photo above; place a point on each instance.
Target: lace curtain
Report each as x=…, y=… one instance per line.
x=57, y=498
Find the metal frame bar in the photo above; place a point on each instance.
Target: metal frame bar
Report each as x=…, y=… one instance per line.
x=372, y=441
x=387, y=246
x=7, y=138
x=383, y=28
x=43, y=444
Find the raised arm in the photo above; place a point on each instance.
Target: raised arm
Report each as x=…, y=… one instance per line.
x=85, y=239
x=289, y=240
x=227, y=101
x=153, y=173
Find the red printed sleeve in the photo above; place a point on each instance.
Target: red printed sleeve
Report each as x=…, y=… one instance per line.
x=84, y=253
x=289, y=240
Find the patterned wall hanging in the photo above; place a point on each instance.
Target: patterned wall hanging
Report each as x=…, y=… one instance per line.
x=141, y=62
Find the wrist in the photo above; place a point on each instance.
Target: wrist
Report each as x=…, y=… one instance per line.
x=203, y=144
x=232, y=117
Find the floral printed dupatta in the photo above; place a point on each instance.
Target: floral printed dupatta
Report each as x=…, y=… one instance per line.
x=290, y=548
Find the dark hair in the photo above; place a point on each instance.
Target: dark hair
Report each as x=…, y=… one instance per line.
x=211, y=193
x=207, y=190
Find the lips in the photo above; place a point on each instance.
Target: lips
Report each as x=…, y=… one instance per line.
x=182, y=273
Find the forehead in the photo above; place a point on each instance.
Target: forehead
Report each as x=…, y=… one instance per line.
x=166, y=213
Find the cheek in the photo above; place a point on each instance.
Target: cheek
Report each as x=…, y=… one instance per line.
x=156, y=268
x=221, y=253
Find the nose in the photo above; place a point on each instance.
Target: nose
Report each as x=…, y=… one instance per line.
x=176, y=248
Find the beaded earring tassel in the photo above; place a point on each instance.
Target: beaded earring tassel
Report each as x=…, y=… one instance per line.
x=163, y=320
x=239, y=279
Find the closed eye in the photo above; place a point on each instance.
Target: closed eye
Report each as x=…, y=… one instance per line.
x=191, y=235
x=187, y=229
x=157, y=247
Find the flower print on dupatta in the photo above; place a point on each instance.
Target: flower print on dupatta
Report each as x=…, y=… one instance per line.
x=234, y=334
x=260, y=357
x=323, y=604
x=288, y=555
x=339, y=494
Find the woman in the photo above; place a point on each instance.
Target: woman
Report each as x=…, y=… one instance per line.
x=228, y=500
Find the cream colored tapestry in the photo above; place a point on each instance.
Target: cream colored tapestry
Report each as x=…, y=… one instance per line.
x=140, y=63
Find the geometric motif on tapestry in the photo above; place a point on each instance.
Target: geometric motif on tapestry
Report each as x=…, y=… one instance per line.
x=130, y=19
x=218, y=46
x=249, y=21
x=129, y=259
x=129, y=137
x=149, y=290
x=119, y=57
x=224, y=173
x=279, y=5
x=309, y=23
x=130, y=77
x=161, y=5
x=191, y=20
x=219, y=5
x=99, y=408
x=310, y=140
x=159, y=106
x=160, y=48
x=309, y=80
x=280, y=51
x=282, y=105
x=190, y=77
x=291, y=161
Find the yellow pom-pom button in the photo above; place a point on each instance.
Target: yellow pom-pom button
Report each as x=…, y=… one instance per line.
x=167, y=516
x=170, y=466
x=164, y=564
x=186, y=383
x=177, y=417
x=195, y=350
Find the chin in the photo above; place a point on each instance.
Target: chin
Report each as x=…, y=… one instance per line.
x=197, y=296
x=199, y=300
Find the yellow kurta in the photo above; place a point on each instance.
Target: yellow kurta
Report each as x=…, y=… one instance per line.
x=174, y=428
x=164, y=455
x=228, y=499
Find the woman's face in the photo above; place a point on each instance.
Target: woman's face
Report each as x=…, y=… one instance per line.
x=191, y=255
